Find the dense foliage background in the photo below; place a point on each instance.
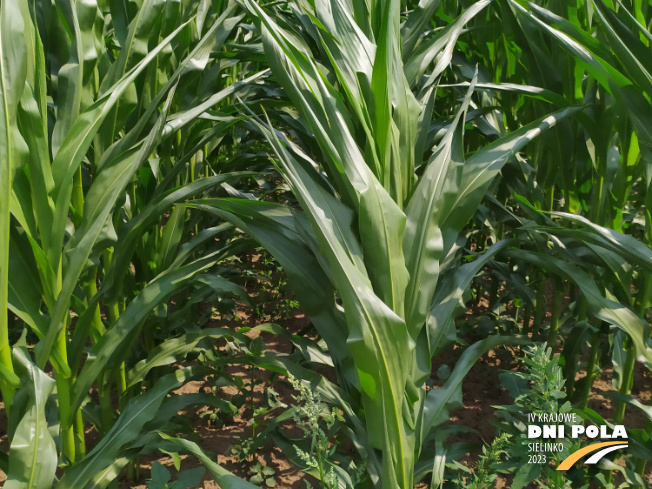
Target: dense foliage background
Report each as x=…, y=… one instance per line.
x=423, y=180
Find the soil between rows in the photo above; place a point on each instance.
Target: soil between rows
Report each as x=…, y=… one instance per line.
x=482, y=391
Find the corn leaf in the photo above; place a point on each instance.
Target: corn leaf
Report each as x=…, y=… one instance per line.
x=33, y=458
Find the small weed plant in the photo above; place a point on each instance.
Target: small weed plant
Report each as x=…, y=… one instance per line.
x=277, y=300
x=310, y=415
x=262, y=474
x=484, y=474
x=318, y=423
x=539, y=389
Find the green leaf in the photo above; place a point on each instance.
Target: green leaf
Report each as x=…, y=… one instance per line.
x=108, y=350
x=139, y=410
x=223, y=477
x=171, y=351
x=378, y=338
x=64, y=166
x=147, y=217
x=483, y=166
x=273, y=225
x=628, y=247
x=159, y=474
x=610, y=311
x=15, y=63
x=440, y=402
x=25, y=286
x=439, y=47
x=172, y=234
x=33, y=454
x=431, y=201
x=447, y=301
x=189, y=478
x=417, y=21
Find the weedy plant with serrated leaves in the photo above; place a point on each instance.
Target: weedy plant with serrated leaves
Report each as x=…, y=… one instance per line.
x=313, y=417
x=538, y=390
x=484, y=473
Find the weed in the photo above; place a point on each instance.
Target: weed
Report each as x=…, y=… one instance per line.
x=485, y=471
x=276, y=297
x=540, y=389
x=262, y=474
x=311, y=415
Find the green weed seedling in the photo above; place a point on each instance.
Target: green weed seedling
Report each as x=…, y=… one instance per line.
x=250, y=445
x=262, y=474
x=276, y=297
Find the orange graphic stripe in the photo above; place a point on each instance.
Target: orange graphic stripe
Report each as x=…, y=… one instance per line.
x=575, y=456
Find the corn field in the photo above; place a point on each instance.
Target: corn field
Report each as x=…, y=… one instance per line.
x=315, y=220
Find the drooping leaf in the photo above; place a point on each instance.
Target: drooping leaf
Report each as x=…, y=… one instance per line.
x=33, y=454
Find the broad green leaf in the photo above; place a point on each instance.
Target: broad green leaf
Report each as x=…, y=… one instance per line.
x=145, y=26
x=423, y=243
x=75, y=82
x=33, y=124
x=25, y=289
x=308, y=348
x=108, y=350
x=378, y=339
x=172, y=234
x=79, y=137
x=632, y=54
x=632, y=401
x=439, y=402
x=223, y=477
x=170, y=351
x=413, y=27
x=274, y=227
x=217, y=33
x=627, y=246
x=447, y=301
x=15, y=61
x=139, y=410
x=33, y=454
x=99, y=204
x=600, y=69
x=147, y=217
x=483, y=166
x=440, y=47
x=529, y=90
x=605, y=309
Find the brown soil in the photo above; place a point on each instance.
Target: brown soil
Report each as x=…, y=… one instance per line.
x=219, y=441
x=482, y=391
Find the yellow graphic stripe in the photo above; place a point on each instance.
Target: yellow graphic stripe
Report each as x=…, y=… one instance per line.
x=575, y=456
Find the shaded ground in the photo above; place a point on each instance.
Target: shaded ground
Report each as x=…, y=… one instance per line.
x=481, y=391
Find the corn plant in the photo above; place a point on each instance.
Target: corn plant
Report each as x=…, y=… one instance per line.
x=599, y=50
x=618, y=67
x=373, y=253
x=602, y=167
x=390, y=122
x=72, y=218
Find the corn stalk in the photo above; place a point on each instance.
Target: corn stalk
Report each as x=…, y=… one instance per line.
x=374, y=234
x=66, y=205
